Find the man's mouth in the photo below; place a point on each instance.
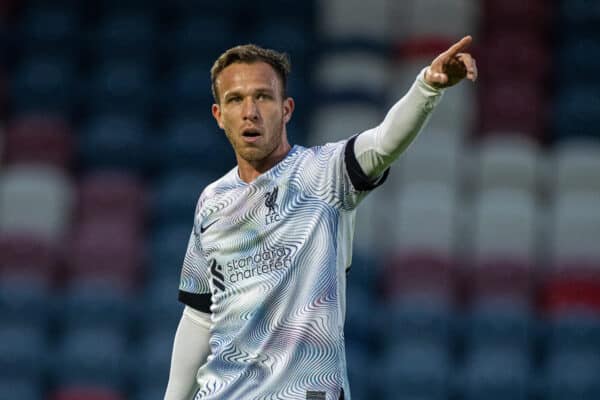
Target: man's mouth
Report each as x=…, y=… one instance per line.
x=250, y=135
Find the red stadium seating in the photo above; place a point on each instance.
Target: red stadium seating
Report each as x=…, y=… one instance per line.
x=86, y=393
x=419, y=272
x=106, y=249
x=571, y=287
x=513, y=106
x=39, y=138
x=22, y=254
x=500, y=279
x=112, y=195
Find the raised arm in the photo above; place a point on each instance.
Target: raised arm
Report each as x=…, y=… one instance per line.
x=377, y=148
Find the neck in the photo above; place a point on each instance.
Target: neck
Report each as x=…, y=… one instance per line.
x=250, y=170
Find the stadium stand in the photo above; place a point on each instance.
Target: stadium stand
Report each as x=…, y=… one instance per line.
x=476, y=271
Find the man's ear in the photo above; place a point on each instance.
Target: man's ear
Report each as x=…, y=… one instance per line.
x=288, y=109
x=216, y=112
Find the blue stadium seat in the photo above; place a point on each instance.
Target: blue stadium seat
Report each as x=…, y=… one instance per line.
x=575, y=330
x=500, y=323
x=113, y=142
x=97, y=304
x=154, y=353
x=360, y=316
x=581, y=15
x=415, y=370
x=25, y=299
x=167, y=247
x=357, y=357
x=92, y=356
x=571, y=375
x=578, y=57
x=196, y=144
x=22, y=351
x=577, y=112
x=194, y=39
x=26, y=388
x=162, y=295
x=497, y=373
x=423, y=316
x=176, y=195
x=287, y=37
x=44, y=84
x=187, y=91
x=120, y=87
x=50, y=30
x=124, y=36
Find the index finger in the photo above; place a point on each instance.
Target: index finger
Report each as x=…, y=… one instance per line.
x=459, y=46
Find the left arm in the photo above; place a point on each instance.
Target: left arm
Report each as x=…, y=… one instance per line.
x=377, y=148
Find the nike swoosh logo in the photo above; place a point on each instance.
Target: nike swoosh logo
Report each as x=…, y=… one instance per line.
x=204, y=228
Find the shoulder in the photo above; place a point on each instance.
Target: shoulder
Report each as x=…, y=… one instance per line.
x=221, y=185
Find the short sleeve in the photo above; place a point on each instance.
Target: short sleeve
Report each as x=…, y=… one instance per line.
x=341, y=179
x=194, y=286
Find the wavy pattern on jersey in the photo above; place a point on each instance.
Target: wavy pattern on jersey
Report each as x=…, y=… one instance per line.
x=278, y=335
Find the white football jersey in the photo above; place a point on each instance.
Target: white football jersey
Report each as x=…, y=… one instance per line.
x=268, y=260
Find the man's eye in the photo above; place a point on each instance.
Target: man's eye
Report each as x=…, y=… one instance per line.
x=235, y=99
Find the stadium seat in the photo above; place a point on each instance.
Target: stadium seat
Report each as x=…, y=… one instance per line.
x=426, y=315
x=571, y=375
x=357, y=356
x=500, y=279
x=26, y=300
x=162, y=294
x=113, y=142
x=154, y=352
x=22, y=351
x=195, y=144
x=351, y=70
x=502, y=111
x=351, y=20
x=497, y=373
x=120, y=87
x=360, y=318
x=124, y=35
x=508, y=162
x=576, y=113
x=575, y=229
x=431, y=19
x=166, y=249
x=187, y=42
x=50, y=29
x=26, y=388
x=91, y=356
x=39, y=138
x=339, y=121
x=416, y=369
x=79, y=391
x=505, y=226
x=577, y=328
x=571, y=286
x=287, y=36
x=502, y=322
x=187, y=91
x=97, y=304
x=176, y=195
x=425, y=218
x=517, y=15
x=26, y=255
x=578, y=15
x=106, y=249
x=576, y=166
x=44, y=84
x=35, y=200
x=111, y=194
x=578, y=56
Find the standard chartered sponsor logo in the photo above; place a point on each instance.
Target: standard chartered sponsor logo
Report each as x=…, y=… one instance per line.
x=265, y=262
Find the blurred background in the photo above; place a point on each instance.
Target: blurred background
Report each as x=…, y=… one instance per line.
x=476, y=272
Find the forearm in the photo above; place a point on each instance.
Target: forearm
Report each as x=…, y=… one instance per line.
x=190, y=350
x=377, y=148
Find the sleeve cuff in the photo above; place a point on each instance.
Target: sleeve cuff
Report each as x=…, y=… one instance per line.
x=200, y=302
x=359, y=179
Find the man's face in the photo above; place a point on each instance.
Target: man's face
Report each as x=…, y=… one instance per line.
x=252, y=110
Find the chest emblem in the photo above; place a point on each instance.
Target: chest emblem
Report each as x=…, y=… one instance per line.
x=271, y=204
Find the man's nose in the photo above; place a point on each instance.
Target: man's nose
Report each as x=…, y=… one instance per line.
x=250, y=111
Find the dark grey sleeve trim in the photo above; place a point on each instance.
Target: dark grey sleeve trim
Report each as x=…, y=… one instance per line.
x=359, y=179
